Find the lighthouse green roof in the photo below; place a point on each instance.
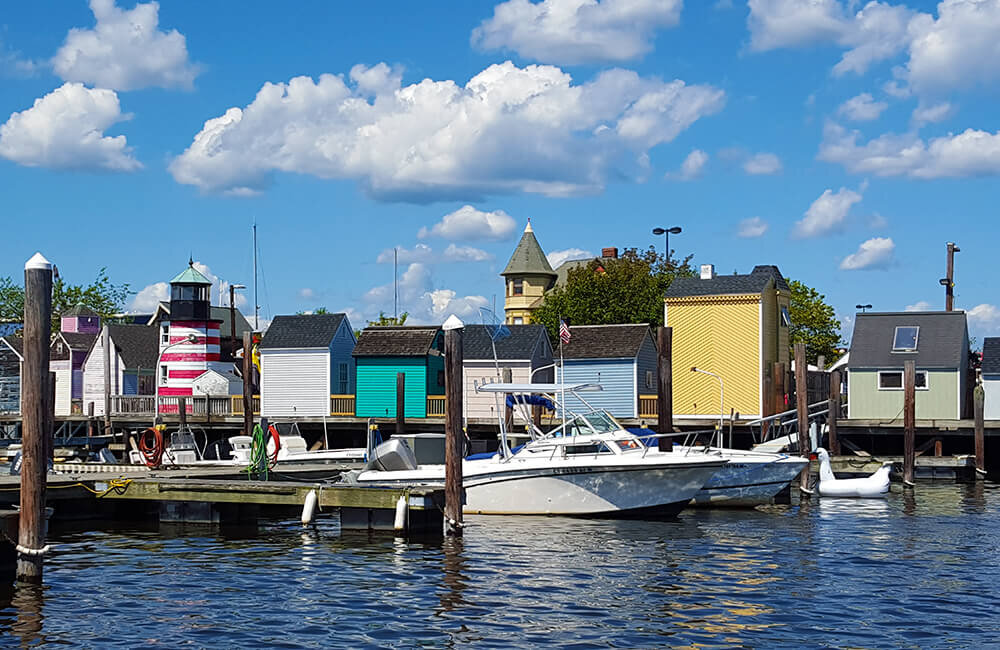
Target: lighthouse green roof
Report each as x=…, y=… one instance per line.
x=528, y=257
x=190, y=275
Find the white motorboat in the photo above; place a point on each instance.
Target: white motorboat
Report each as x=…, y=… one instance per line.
x=750, y=478
x=588, y=466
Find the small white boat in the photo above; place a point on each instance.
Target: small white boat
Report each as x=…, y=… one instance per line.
x=750, y=478
x=874, y=486
x=589, y=466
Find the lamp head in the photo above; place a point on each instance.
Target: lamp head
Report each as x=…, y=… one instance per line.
x=676, y=230
x=659, y=231
x=192, y=338
x=237, y=286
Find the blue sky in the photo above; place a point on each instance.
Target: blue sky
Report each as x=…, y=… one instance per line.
x=845, y=142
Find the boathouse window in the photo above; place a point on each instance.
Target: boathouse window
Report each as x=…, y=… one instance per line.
x=188, y=292
x=905, y=339
x=165, y=333
x=893, y=380
x=163, y=375
x=649, y=379
x=786, y=318
x=343, y=378
x=517, y=287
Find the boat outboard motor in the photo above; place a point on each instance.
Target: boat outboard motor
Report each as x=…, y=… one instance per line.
x=393, y=455
x=219, y=450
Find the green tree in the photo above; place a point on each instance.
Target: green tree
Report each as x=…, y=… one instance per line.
x=383, y=320
x=102, y=295
x=627, y=289
x=317, y=311
x=813, y=322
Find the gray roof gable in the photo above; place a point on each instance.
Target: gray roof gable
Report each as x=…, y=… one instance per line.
x=519, y=346
x=942, y=341
x=724, y=285
x=138, y=345
x=991, y=355
x=302, y=331
x=605, y=341
x=397, y=341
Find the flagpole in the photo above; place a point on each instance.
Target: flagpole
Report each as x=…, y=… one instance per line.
x=562, y=367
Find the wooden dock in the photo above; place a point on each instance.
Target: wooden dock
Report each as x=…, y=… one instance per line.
x=214, y=495
x=925, y=467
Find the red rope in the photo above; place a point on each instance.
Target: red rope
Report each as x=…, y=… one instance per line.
x=277, y=444
x=151, y=447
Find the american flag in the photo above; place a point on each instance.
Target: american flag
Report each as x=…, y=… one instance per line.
x=564, y=332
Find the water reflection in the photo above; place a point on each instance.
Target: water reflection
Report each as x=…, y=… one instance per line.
x=28, y=602
x=454, y=580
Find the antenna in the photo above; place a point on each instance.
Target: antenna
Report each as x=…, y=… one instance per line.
x=395, y=284
x=256, y=304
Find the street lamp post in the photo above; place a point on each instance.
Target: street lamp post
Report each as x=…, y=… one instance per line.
x=190, y=338
x=232, y=317
x=722, y=398
x=863, y=307
x=666, y=232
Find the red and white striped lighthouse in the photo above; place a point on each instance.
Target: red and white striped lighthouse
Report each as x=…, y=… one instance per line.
x=183, y=361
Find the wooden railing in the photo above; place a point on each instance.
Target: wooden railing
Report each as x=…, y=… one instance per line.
x=647, y=406
x=236, y=407
x=436, y=406
x=342, y=405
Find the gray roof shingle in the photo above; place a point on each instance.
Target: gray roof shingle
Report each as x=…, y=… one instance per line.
x=605, y=341
x=991, y=355
x=302, y=331
x=138, y=345
x=942, y=341
x=725, y=285
x=396, y=341
x=528, y=258
x=519, y=346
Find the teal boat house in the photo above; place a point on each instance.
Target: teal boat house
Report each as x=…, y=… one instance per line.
x=383, y=352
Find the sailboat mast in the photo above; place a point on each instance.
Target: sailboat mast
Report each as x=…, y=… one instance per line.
x=395, y=285
x=256, y=305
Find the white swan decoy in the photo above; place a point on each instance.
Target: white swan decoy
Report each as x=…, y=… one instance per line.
x=876, y=485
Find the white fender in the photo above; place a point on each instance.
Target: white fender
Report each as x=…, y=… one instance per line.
x=401, y=507
x=309, y=507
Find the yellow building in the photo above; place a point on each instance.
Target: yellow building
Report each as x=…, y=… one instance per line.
x=527, y=277
x=735, y=326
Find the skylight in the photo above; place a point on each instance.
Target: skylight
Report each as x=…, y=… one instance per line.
x=905, y=339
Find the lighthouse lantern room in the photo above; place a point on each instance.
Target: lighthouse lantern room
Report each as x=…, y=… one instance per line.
x=182, y=361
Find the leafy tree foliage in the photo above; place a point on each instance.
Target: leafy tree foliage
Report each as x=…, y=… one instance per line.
x=317, y=311
x=628, y=289
x=102, y=295
x=384, y=320
x=813, y=323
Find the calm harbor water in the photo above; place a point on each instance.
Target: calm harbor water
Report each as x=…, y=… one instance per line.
x=912, y=571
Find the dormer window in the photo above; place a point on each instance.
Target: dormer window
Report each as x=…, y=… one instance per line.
x=905, y=339
x=518, y=287
x=786, y=318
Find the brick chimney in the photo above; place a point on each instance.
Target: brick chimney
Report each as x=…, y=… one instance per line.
x=610, y=252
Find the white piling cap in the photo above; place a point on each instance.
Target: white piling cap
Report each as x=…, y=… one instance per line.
x=38, y=262
x=453, y=323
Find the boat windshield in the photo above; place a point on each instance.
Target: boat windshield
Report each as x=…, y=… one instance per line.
x=588, y=424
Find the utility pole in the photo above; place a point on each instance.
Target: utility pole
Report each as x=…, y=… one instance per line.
x=949, y=280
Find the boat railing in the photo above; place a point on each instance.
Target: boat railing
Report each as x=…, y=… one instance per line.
x=787, y=422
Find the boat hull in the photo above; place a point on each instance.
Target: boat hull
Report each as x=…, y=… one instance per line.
x=749, y=480
x=648, y=490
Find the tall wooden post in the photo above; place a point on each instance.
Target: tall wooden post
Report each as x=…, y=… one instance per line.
x=909, y=419
x=182, y=410
x=949, y=280
x=665, y=387
x=106, y=345
x=454, y=435
x=833, y=412
x=400, y=402
x=34, y=387
x=978, y=399
x=90, y=419
x=506, y=376
x=247, y=383
x=802, y=410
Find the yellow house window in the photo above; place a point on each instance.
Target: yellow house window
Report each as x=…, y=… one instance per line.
x=517, y=287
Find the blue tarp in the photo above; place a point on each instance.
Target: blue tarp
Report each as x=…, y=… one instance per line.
x=532, y=400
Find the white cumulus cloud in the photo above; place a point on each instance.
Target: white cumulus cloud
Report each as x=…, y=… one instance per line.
x=876, y=253
x=149, y=298
x=420, y=299
x=826, y=214
x=970, y=153
x=929, y=113
x=984, y=319
x=752, y=227
x=556, y=258
x=957, y=50
x=507, y=130
x=467, y=224
x=576, y=31
x=65, y=130
x=125, y=50
x=692, y=167
x=456, y=253
x=424, y=254
x=920, y=305
x=762, y=164
x=862, y=108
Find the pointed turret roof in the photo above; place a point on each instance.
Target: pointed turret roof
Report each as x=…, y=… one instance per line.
x=528, y=257
x=190, y=275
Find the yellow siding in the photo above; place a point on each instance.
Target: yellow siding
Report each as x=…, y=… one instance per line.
x=521, y=306
x=720, y=334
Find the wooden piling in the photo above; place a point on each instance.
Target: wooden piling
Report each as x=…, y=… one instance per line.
x=106, y=345
x=34, y=380
x=802, y=410
x=400, y=402
x=665, y=389
x=978, y=400
x=182, y=411
x=90, y=419
x=506, y=376
x=909, y=419
x=833, y=412
x=247, y=383
x=454, y=434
